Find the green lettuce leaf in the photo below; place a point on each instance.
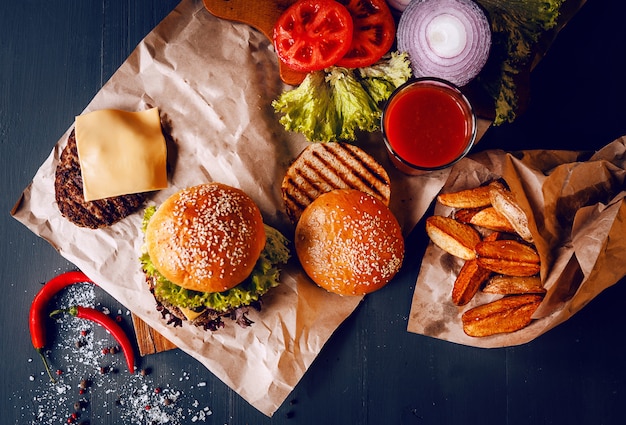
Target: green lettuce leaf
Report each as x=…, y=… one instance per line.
x=334, y=104
x=516, y=27
x=382, y=78
x=307, y=109
x=356, y=109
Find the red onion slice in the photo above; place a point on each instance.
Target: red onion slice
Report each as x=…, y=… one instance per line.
x=398, y=4
x=448, y=39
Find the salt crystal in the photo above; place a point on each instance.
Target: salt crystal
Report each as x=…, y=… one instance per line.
x=47, y=403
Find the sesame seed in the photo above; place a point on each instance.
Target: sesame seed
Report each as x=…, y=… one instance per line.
x=216, y=234
x=364, y=243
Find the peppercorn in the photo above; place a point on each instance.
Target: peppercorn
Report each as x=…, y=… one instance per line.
x=109, y=324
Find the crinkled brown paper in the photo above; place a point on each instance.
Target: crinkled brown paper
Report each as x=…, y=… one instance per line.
x=578, y=221
x=213, y=81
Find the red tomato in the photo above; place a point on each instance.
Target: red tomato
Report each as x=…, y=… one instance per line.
x=313, y=34
x=374, y=32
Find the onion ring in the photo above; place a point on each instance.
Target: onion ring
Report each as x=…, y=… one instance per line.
x=448, y=39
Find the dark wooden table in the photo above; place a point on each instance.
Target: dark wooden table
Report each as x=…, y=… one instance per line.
x=56, y=55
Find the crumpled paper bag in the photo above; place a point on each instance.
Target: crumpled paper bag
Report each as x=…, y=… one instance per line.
x=213, y=82
x=577, y=216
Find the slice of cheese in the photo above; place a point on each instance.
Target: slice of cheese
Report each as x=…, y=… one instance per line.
x=121, y=152
x=190, y=314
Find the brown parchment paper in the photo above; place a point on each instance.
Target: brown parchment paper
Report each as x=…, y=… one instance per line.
x=578, y=220
x=213, y=82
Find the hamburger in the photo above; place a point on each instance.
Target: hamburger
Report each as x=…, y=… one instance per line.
x=208, y=255
x=349, y=242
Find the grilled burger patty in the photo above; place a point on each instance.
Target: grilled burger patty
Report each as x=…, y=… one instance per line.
x=68, y=187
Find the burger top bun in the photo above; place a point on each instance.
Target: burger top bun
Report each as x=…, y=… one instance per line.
x=349, y=242
x=206, y=238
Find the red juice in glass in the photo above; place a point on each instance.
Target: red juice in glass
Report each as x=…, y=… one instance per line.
x=428, y=124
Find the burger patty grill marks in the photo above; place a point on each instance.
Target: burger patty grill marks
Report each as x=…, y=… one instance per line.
x=353, y=171
x=327, y=166
x=365, y=170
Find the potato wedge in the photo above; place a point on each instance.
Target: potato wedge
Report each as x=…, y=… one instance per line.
x=471, y=277
x=507, y=249
x=464, y=215
x=508, y=257
x=490, y=218
x=504, y=202
x=469, y=198
x=468, y=282
x=507, y=314
x=455, y=238
x=509, y=268
x=510, y=285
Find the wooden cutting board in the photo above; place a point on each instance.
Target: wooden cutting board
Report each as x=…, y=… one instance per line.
x=149, y=341
x=259, y=14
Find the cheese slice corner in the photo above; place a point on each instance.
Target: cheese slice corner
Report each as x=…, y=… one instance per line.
x=190, y=314
x=121, y=152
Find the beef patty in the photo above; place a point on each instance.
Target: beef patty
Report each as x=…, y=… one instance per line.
x=68, y=187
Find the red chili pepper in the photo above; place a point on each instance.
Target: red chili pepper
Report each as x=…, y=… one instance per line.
x=38, y=309
x=110, y=325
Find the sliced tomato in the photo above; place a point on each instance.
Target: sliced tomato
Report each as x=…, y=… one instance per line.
x=373, y=35
x=313, y=34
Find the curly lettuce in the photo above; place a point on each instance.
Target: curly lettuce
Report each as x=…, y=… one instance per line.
x=336, y=103
x=383, y=77
x=264, y=276
x=354, y=106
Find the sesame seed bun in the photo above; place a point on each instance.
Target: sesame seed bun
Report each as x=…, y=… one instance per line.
x=349, y=242
x=206, y=238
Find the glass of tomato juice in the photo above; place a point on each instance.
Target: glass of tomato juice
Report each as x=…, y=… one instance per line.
x=427, y=125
